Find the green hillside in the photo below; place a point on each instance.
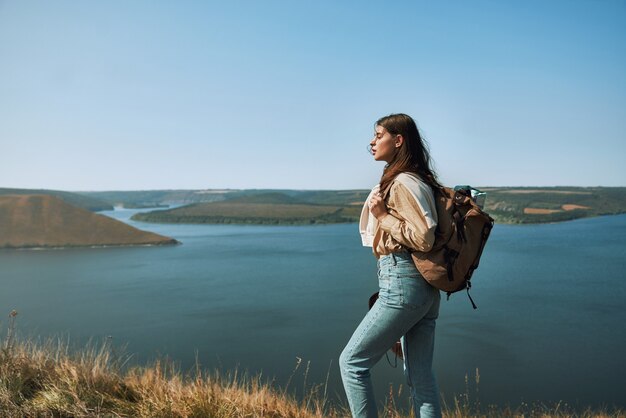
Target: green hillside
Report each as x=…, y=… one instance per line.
x=505, y=204
x=553, y=204
x=153, y=198
x=265, y=198
x=91, y=203
x=265, y=208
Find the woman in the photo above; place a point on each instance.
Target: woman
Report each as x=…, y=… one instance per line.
x=399, y=214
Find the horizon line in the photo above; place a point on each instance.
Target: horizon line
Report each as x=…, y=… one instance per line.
x=228, y=189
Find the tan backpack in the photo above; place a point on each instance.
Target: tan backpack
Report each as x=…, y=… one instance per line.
x=462, y=231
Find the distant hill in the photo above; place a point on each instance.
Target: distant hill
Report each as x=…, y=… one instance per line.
x=153, y=198
x=28, y=221
x=552, y=204
x=505, y=204
x=268, y=198
x=82, y=201
x=265, y=208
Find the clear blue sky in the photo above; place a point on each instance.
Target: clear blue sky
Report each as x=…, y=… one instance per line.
x=126, y=95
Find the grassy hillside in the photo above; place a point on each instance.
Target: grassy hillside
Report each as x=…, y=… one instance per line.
x=266, y=208
x=28, y=221
x=553, y=204
x=505, y=204
x=93, y=204
x=152, y=198
x=49, y=380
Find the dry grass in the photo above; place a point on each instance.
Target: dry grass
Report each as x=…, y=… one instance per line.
x=573, y=207
x=530, y=191
x=468, y=405
x=537, y=211
x=542, y=211
x=47, y=380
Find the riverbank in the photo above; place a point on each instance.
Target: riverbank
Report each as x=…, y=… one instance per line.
x=505, y=205
x=50, y=380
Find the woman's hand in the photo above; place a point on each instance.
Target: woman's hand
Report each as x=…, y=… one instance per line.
x=377, y=206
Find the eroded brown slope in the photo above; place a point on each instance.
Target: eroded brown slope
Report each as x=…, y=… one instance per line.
x=47, y=221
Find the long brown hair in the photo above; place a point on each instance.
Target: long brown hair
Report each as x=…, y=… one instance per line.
x=412, y=157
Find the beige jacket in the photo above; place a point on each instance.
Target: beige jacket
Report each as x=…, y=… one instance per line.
x=411, y=220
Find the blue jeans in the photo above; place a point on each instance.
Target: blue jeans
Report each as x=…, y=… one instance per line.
x=407, y=307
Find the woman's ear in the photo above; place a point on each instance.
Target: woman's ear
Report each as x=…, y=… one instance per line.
x=399, y=141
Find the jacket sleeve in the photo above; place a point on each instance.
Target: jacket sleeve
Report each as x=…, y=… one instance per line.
x=405, y=221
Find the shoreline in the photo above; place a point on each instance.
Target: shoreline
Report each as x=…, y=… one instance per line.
x=69, y=247
x=278, y=223
x=95, y=380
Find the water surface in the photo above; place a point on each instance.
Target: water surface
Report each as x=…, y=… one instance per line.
x=549, y=327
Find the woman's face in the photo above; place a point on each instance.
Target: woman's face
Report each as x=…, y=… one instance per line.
x=384, y=145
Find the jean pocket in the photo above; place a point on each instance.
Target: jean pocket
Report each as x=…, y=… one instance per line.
x=391, y=292
x=416, y=292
